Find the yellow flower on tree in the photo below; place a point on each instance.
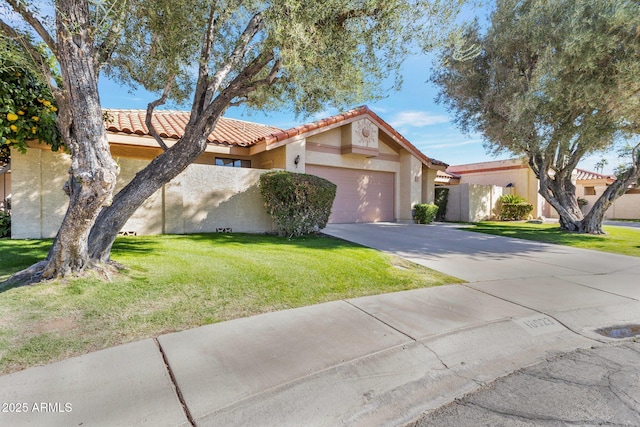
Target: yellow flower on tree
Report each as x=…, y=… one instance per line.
x=14, y=128
x=53, y=108
x=35, y=118
x=34, y=129
x=12, y=117
x=46, y=103
x=21, y=113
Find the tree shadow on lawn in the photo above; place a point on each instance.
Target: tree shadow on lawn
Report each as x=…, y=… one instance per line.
x=146, y=244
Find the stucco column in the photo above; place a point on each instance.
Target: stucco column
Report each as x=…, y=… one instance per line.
x=295, y=156
x=428, y=184
x=410, y=178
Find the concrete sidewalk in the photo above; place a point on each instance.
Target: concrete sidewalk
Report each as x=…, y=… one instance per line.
x=379, y=360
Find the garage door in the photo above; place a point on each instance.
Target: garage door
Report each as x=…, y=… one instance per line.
x=361, y=196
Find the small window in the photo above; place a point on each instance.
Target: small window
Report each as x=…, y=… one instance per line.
x=589, y=191
x=233, y=163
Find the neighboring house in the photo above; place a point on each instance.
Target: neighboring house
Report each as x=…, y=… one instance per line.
x=516, y=176
x=5, y=187
x=591, y=185
x=379, y=174
x=512, y=173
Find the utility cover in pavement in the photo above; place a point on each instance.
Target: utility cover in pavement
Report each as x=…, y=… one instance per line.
x=622, y=331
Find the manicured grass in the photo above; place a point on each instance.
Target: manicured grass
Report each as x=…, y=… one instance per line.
x=618, y=240
x=177, y=282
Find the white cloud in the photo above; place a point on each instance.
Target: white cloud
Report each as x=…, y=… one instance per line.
x=417, y=119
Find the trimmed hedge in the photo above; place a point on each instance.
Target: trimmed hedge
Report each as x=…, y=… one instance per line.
x=298, y=203
x=442, y=197
x=424, y=213
x=512, y=211
x=513, y=207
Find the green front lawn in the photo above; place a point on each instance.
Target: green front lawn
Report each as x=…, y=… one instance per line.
x=619, y=240
x=178, y=282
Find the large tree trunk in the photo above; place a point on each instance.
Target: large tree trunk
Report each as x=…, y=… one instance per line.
x=560, y=192
x=93, y=171
x=160, y=171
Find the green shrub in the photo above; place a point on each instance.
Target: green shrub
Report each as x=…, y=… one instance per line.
x=298, y=203
x=513, y=207
x=5, y=224
x=442, y=197
x=511, y=199
x=424, y=213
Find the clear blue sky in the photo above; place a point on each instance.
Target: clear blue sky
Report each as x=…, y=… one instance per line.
x=412, y=111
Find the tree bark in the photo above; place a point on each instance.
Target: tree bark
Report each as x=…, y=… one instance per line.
x=93, y=171
x=160, y=171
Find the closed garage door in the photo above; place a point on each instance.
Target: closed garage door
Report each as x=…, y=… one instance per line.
x=361, y=196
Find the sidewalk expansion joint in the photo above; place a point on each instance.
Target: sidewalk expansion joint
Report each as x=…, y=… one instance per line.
x=183, y=403
x=382, y=321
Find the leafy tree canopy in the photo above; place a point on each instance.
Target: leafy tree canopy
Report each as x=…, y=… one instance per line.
x=553, y=81
x=332, y=52
x=27, y=107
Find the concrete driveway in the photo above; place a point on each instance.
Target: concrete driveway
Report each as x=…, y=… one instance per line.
x=477, y=257
x=632, y=224
x=582, y=289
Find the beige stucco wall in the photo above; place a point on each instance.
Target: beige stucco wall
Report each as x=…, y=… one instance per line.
x=38, y=203
x=428, y=185
x=201, y=199
x=501, y=173
x=626, y=206
x=472, y=202
x=221, y=197
x=270, y=159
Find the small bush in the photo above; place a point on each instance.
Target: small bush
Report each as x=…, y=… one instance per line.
x=424, y=213
x=512, y=199
x=442, y=197
x=298, y=203
x=5, y=224
x=513, y=207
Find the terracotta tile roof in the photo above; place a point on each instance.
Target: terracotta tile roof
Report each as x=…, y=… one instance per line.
x=448, y=175
x=359, y=111
x=171, y=124
x=582, y=174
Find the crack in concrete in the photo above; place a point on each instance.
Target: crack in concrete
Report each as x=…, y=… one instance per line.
x=176, y=388
x=535, y=418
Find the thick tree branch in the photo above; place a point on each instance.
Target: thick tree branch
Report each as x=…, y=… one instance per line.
x=202, y=94
x=20, y=8
x=239, y=53
x=152, y=106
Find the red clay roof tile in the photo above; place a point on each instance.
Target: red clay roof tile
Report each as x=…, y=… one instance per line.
x=582, y=174
x=171, y=124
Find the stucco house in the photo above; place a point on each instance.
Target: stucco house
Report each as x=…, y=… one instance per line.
x=515, y=177
x=379, y=174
